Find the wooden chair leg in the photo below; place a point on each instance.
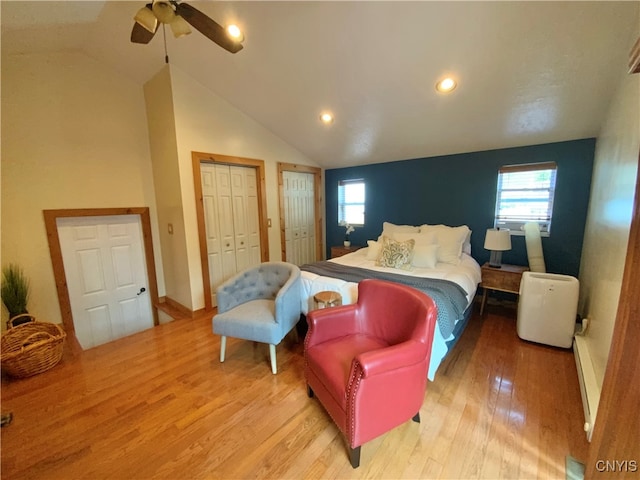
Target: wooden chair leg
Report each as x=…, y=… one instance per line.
x=223, y=347
x=272, y=354
x=416, y=417
x=354, y=457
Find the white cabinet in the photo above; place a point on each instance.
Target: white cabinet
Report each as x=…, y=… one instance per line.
x=230, y=202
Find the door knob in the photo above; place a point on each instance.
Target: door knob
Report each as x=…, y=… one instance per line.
x=142, y=290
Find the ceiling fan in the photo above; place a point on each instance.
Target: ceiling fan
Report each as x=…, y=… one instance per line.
x=179, y=16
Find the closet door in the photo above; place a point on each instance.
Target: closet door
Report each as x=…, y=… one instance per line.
x=253, y=219
x=230, y=204
x=212, y=227
x=239, y=220
x=226, y=214
x=299, y=213
x=308, y=219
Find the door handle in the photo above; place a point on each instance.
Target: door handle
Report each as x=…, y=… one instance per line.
x=142, y=290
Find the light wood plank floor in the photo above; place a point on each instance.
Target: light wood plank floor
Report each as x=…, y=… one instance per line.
x=160, y=405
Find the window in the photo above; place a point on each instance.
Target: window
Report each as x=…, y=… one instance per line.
x=351, y=202
x=525, y=194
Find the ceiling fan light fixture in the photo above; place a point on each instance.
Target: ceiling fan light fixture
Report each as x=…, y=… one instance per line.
x=164, y=11
x=179, y=27
x=326, y=118
x=446, y=85
x=146, y=18
x=235, y=33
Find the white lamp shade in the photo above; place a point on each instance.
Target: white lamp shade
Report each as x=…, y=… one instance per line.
x=497, y=240
x=163, y=11
x=179, y=27
x=147, y=19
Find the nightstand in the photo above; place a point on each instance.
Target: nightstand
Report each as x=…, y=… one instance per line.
x=341, y=250
x=504, y=279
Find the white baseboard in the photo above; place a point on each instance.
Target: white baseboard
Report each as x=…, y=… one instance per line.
x=589, y=388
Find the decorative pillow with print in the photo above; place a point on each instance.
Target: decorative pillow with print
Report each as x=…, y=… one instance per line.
x=395, y=254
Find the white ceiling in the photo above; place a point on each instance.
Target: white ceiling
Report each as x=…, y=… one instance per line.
x=528, y=72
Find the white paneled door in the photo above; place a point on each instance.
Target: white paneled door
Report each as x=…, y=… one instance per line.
x=230, y=204
x=299, y=217
x=106, y=275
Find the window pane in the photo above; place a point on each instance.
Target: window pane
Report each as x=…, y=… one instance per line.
x=354, y=214
x=525, y=196
x=351, y=195
x=354, y=193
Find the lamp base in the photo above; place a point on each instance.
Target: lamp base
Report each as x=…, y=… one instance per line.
x=495, y=260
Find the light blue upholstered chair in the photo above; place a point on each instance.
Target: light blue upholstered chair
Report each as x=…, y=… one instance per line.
x=261, y=304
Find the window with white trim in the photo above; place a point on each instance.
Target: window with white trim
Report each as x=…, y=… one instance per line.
x=525, y=194
x=351, y=202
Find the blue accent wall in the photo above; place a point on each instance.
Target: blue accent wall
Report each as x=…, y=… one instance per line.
x=461, y=190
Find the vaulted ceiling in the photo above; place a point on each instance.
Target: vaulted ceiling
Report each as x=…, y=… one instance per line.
x=527, y=72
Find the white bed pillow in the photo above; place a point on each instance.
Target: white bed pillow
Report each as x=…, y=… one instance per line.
x=420, y=238
x=388, y=229
x=450, y=239
x=425, y=256
x=466, y=246
x=374, y=249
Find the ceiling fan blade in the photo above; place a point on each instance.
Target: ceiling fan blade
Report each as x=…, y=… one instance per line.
x=139, y=34
x=210, y=29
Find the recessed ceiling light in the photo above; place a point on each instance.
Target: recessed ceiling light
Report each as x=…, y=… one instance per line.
x=446, y=85
x=326, y=118
x=235, y=33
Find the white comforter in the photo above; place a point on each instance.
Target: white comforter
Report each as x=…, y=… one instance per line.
x=467, y=275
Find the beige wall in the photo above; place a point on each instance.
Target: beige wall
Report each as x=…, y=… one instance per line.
x=207, y=123
x=74, y=135
x=609, y=218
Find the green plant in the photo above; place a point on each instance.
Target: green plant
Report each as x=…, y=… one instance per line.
x=14, y=290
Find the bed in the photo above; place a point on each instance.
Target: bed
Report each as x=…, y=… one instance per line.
x=436, y=260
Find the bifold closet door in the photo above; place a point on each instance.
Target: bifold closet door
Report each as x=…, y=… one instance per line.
x=299, y=217
x=245, y=216
x=231, y=219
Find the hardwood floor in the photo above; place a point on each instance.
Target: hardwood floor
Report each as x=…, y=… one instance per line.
x=160, y=405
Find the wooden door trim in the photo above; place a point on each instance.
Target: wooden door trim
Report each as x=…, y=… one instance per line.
x=55, y=251
x=200, y=157
x=317, y=200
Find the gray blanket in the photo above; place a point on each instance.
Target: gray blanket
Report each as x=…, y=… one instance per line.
x=449, y=297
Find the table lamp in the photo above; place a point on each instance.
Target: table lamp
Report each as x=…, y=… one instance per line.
x=497, y=241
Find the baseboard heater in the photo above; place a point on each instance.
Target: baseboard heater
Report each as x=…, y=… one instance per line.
x=589, y=388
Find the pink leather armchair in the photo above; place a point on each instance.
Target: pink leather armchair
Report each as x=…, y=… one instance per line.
x=367, y=362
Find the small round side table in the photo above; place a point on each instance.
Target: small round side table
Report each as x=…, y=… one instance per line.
x=327, y=299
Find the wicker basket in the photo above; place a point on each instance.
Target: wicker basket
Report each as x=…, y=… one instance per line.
x=31, y=348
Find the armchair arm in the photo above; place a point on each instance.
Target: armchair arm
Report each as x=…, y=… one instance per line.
x=287, y=302
x=391, y=358
x=386, y=387
x=328, y=323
